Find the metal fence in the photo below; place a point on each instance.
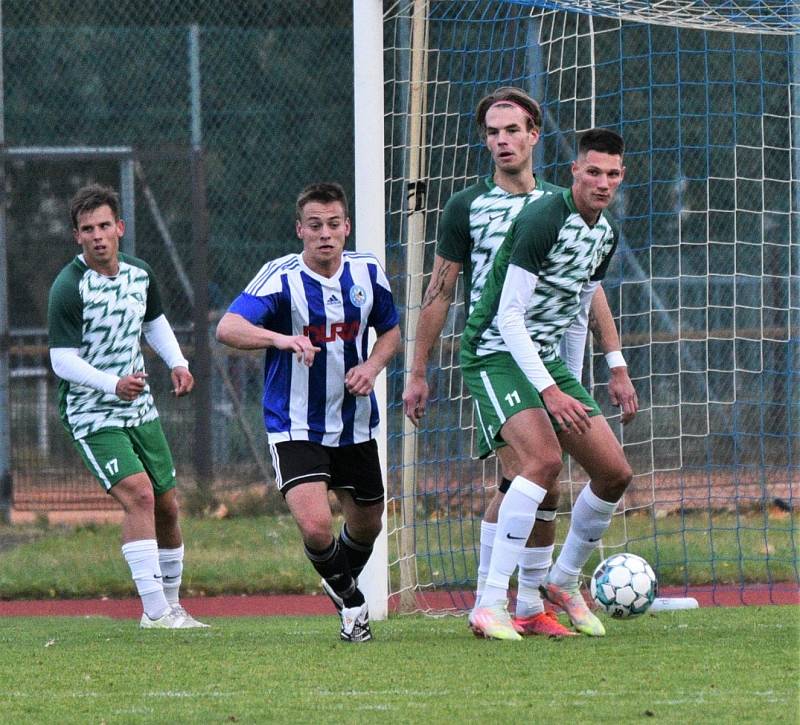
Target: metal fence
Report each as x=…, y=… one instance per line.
x=209, y=117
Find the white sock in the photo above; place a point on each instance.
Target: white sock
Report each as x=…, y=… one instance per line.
x=514, y=524
x=591, y=517
x=487, y=542
x=142, y=558
x=533, y=566
x=171, y=562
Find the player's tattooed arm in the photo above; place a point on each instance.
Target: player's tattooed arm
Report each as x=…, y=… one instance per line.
x=442, y=285
x=432, y=316
x=596, y=330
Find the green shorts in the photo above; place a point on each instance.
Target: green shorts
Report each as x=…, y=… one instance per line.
x=500, y=389
x=112, y=454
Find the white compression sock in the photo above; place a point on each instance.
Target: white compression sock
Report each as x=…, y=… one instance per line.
x=591, y=517
x=514, y=524
x=142, y=558
x=533, y=566
x=487, y=543
x=171, y=562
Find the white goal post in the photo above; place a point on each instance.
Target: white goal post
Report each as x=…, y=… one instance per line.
x=369, y=229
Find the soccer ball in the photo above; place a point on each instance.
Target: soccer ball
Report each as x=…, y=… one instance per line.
x=624, y=585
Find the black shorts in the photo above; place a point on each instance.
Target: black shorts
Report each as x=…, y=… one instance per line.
x=355, y=468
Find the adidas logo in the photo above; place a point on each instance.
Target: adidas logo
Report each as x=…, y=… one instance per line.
x=332, y=300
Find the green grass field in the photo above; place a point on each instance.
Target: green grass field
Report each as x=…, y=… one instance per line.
x=707, y=665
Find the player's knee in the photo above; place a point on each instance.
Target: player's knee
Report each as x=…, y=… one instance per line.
x=618, y=481
x=544, y=471
x=366, y=529
x=138, y=499
x=625, y=475
x=316, y=533
x=317, y=540
x=166, y=510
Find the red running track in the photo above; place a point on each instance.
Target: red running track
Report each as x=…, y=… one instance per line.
x=264, y=605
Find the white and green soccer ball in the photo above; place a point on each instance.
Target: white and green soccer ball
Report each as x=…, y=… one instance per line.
x=624, y=585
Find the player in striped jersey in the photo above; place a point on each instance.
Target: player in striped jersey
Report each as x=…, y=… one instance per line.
x=312, y=312
x=474, y=224
x=99, y=305
x=542, y=279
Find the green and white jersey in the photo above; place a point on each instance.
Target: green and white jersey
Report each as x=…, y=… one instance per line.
x=551, y=240
x=474, y=224
x=102, y=317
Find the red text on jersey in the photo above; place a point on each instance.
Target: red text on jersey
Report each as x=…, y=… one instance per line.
x=346, y=331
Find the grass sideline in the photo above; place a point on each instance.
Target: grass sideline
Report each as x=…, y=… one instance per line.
x=704, y=665
x=230, y=556
x=264, y=554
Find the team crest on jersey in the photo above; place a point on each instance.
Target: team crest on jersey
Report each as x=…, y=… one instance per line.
x=358, y=295
x=137, y=303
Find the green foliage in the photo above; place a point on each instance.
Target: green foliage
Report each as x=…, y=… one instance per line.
x=706, y=665
x=236, y=13
x=92, y=74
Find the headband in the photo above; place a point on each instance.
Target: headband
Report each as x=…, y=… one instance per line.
x=509, y=102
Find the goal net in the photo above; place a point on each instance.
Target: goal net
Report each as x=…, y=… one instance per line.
x=704, y=286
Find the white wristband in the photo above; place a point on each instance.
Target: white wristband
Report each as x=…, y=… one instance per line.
x=615, y=359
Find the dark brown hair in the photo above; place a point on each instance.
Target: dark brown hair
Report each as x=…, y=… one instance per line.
x=91, y=197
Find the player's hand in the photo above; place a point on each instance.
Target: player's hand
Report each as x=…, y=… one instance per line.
x=182, y=381
x=415, y=398
x=303, y=349
x=360, y=380
x=131, y=386
x=570, y=414
x=623, y=394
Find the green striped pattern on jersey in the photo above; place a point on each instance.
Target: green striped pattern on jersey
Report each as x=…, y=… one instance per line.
x=474, y=224
x=551, y=240
x=103, y=316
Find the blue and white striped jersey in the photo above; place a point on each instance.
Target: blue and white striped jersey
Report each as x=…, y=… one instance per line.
x=312, y=403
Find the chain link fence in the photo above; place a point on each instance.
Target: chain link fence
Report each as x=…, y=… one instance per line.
x=209, y=117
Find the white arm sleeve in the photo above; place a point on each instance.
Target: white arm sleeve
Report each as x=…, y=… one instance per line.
x=69, y=365
x=161, y=338
x=517, y=291
x=573, y=343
